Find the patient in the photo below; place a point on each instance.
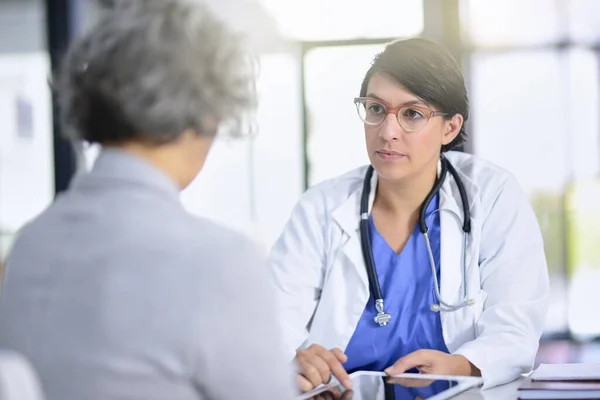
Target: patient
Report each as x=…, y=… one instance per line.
x=115, y=291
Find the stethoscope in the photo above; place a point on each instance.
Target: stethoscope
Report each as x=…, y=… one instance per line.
x=382, y=318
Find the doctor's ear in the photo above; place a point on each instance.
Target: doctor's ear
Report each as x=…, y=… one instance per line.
x=452, y=128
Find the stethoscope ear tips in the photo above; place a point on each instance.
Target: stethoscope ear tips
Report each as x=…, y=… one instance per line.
x=470, y=302
x=435, y=307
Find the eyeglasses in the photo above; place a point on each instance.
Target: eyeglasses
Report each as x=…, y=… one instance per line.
x=411, y=118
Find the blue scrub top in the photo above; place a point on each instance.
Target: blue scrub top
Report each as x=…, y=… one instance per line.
x=408, y=291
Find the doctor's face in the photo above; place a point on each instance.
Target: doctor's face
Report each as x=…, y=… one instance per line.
x=404, y=135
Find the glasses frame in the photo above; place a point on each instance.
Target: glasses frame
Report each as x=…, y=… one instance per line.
x=427, y=112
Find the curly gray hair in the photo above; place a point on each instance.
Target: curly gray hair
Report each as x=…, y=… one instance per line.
x=152, y=69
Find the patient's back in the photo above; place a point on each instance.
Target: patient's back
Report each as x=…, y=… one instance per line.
x=115, y=292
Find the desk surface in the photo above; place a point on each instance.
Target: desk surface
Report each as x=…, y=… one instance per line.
x=503, y=392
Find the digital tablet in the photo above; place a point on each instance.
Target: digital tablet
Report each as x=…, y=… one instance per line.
x=377, y=386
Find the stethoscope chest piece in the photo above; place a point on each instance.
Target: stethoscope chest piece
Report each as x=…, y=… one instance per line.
x=382, y=318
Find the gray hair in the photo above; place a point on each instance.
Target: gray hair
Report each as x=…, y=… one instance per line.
x=152, y=69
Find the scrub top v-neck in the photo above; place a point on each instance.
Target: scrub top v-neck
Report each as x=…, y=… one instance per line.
x=407, y=286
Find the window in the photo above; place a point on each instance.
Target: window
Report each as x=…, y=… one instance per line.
x=252, y=184
x=584, y=21
x=26, y=173
x=536, y=114
x=312, y=20
x=518, y=115
x=222, y=190
x=582, y=78
x=519, y=123
x=512, y=22
x=277, y=158
x=333, y=76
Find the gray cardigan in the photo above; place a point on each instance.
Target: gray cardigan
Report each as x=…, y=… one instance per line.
x=115, y=292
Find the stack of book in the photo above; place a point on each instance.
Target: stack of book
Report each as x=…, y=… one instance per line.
x=562, y=381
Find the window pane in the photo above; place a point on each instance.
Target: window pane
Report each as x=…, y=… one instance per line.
x=277, y=154
x=252, y=184
x=582, y=102
x=331, y=20
x=511, y=22
x=516, y=115
x=584, y=20
x=26, y=167
x=542, y=125
x=583, y=193
x=222, y=191
x=336, y=135
x=520, y=123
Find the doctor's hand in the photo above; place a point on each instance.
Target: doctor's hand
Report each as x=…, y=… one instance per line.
x=434, y=362
x=317, y=366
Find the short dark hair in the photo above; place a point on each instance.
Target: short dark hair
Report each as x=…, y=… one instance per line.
x=428, y=71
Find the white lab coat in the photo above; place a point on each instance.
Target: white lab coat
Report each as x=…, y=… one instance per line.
x=322, y=286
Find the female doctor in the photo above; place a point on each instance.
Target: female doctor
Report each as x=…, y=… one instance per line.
x=433, y=261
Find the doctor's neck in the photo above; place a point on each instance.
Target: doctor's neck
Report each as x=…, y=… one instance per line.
x=405, y=196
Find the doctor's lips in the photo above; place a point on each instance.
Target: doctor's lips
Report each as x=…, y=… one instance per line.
x=389, y=155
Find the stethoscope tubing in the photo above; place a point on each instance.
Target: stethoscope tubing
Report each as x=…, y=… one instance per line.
x=382, y=318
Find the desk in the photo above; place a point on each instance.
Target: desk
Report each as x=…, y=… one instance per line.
x=503, y=392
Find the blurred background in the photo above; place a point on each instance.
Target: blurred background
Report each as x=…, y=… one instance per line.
x=533, y=73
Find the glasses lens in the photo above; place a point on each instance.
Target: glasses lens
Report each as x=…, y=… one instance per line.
x=371, y=112
x=412, y=119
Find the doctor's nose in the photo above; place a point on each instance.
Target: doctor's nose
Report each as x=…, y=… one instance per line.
x=390, y=129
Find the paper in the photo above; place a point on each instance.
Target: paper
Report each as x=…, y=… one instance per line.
x=567, y=372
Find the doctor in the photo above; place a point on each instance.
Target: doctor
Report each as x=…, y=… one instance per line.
x=434, y=263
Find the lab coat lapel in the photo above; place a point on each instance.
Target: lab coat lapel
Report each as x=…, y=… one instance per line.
x=451, y=242
x=347, y=217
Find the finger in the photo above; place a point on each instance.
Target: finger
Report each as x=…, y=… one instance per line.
x=348, y=395
x=413, y=360
x=337, y=369
x=305, y=354
x=321, y=365
x=318, y=349
x=311, y=374
x=339, y=354
x=304, y=384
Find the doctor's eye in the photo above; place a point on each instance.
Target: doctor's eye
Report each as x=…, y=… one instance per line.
x=375, y=108
x=412, y=113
